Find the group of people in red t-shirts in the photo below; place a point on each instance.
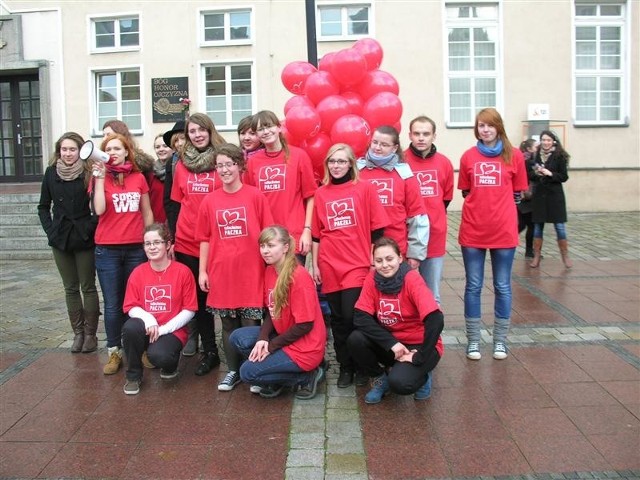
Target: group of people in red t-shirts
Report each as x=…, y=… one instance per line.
x=375, y=227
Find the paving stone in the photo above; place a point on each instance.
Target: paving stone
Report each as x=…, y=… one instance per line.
x=305, y=473
x=345, y=463
x=306, y=458
x=348, y=429
x=339, y=444
x=307, y=440
x=342, y=415
x=592, y=336
x=308, y=425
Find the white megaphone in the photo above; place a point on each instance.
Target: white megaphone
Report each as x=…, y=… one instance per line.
x=89, y=151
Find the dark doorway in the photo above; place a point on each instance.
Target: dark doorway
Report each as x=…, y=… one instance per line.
x=21, y=129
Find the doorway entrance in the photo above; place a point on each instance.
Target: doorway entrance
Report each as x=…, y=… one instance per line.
x=21, y=129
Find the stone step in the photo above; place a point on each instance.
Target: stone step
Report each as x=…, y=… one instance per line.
x=15, y=231
x=20, y=198
x=10, y=220
x=26, y=254
x=23, y=243
x=19, y=209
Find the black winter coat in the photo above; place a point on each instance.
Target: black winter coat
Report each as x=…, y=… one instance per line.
x=548, y=201
x=72, y=227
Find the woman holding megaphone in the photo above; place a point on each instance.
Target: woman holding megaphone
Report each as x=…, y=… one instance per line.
x=120, y=196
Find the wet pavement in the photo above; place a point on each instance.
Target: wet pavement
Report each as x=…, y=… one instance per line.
x=565, y=404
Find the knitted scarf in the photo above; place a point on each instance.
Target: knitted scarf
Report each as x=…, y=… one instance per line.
x=69, y=172
x=388, y=162
x=196, y=161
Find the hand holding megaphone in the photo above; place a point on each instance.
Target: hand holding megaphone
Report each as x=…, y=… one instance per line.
x=89, y=151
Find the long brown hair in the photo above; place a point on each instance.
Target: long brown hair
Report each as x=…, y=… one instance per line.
x=285, y=275
x=491, y=117
x=78, y=140
x=266, y=118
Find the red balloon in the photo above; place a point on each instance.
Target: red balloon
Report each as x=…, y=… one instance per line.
x=326, y=62
x=349, y=66
x=303, y=121
x=295, y=74
x=398, y=126
x=383, y=108
x=317, y=148
x=376, y=82
x=291, y=140
x=330, y=109
x=319, y=85
x=297, y=101
x=371, y=50
x=355, y=102
x=352, y=130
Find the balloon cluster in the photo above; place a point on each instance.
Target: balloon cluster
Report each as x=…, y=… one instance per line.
x=343, y=100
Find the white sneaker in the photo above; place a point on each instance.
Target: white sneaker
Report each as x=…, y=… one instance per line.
x=499, y=351
x=229, y=381
x=473, y=351
x=255, y=388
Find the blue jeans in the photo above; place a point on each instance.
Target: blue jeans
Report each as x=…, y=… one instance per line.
x=276, y=369
x=561, y=230
x=431, y=271
x=501, y=265
x=113, y=266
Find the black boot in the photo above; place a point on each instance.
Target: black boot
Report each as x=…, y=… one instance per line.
x=208, y=362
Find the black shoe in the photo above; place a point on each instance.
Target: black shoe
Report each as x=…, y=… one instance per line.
x=308, y=391
x=345, y=379
x=271, y=391
x=361, y=379
x=528, y=254
x=208, y=362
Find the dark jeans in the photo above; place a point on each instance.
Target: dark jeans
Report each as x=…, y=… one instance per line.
x=204, y=319
x=114, y=265
x=229, y=325
x=341, y=304
x=276, y=369
x=163, y=353
x=404, y=378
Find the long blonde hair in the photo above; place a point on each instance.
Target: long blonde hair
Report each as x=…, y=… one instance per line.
x=289, y=264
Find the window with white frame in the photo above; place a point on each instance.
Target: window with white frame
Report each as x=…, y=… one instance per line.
x=600, y=65
x=115, y=33
x=473, y=60
x=228, y=92
x=226, y=27
x=343, y=21
x=117, y=96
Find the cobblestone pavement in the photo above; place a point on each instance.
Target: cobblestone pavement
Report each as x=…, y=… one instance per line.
x=564, y=315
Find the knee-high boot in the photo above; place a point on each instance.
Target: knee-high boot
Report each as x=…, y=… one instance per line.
x=77, y=324
x=90, y=328
x=537, y=252
x=564, y=252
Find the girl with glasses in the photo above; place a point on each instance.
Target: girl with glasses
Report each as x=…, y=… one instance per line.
x=399, y=193
x=347, y=219
x=231, y=270
x=160, y=300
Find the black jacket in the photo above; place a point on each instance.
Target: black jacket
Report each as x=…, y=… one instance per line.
x=548, y=201
x=72, y=227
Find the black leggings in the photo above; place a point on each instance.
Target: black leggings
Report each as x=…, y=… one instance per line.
x=203, y=318
x=341, y=304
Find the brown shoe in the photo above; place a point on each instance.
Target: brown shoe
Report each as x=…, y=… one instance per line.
x=77, y=324
x=146, y=363
x=114, y=363
x=90, y=328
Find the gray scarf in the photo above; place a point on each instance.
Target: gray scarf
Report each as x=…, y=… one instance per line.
x=198, y=162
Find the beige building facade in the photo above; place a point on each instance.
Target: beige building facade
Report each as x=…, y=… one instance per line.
x=570, y=64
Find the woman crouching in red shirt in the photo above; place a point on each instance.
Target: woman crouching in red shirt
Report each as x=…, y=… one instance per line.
x=397, y=322
x=288, y=350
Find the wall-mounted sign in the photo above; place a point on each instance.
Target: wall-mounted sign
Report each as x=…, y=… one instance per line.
x=538, y=111
x=168, y=98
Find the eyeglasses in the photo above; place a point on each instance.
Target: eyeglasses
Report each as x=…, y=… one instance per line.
x=155, y=243
x=337, y=161
x=376, y=143
x=228, y=165
x=262, y=128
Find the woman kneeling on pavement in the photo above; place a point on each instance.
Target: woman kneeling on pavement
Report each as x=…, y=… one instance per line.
x=160, y=300
x=397, y=322
x=288, y=349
